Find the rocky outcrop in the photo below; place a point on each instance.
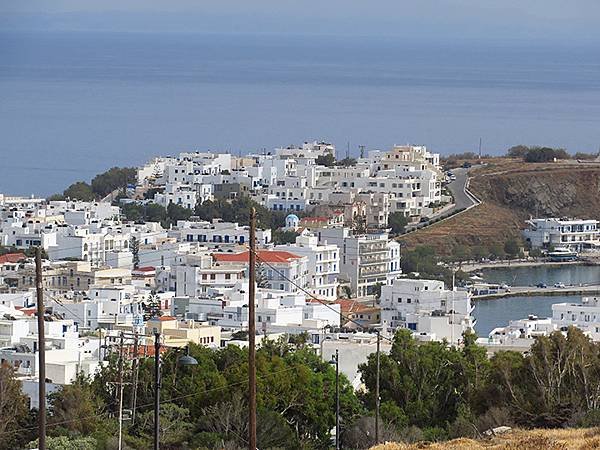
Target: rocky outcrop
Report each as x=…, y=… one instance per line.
x=512, y=195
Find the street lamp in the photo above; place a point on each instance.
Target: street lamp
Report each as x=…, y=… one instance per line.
x=335, y=360
x=185, y=360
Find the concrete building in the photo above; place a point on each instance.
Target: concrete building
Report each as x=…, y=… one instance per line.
x=574, y=234
x=281, y=270
x=323, y=264
x=366, y=260
x=427, y=308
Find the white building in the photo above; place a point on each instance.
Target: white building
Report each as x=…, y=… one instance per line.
x=217, y=231
x=281, y=270
x=365, y=260
x=276, y=310
x=574, y=234
x=427, y=308
x=584, y=315
x=199, y=273
x=518, y=335
x=323, y=264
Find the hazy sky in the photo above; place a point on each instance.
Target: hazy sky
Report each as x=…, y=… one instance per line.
x=549, y=19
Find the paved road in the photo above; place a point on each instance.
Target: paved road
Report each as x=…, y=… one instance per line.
x=457, y=187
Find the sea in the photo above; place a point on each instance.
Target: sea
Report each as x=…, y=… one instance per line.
x=493, y=313
x=73, y=104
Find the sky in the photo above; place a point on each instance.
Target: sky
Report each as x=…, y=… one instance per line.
x=435, y=19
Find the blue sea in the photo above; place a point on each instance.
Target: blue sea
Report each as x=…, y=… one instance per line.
x=75, y=103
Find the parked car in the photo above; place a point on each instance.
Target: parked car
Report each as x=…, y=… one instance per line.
x=542, y=285
x=467, y=165
x=559, y=285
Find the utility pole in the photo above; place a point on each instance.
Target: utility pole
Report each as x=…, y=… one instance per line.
x=39, y=285
x=377, y=399
x=121, y=391
x=362, y=151
x=252, y=335
x=156, y=389
x=337, y=400
x=479, y=148
x=135, y=377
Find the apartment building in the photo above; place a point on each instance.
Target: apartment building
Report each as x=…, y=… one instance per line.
x=281, y=270
x=217, y=231
x=574, y=234
x=366, y=260
x=323, y=265
x=427, y=308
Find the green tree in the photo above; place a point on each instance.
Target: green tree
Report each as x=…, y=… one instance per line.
x=67, y=443
x=134, y=247
x=511, y=248
x=114, y=178
x=13, y=409
x=80, y=190
x=175, y=425
x=151, y=307
x=281, y=237
x=346, y=162
x=397, y=222
x=155, y=213
x=518, y=151
x=261, y=275
x=425, y=381
x=75, y=408
x=327, y=160
x=178, y=212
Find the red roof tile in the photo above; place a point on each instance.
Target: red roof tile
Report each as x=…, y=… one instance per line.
x=12, y=258
x=268, y=256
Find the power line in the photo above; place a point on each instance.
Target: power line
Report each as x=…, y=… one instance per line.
x=170, y=400
x=311, y=295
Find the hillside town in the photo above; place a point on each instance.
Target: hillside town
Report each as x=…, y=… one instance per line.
x=117, y=277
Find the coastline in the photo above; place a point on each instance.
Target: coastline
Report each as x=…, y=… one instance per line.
x=503, y=264
x=542, y=292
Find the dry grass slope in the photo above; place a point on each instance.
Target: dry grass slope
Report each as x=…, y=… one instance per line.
x=512, y=191
x=563, y=439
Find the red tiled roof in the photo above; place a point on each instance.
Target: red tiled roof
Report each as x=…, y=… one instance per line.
x=145, y=269
x=268, y=256
x=352, y=306
x=165, y=318
x=315, y=219
x=12, y=258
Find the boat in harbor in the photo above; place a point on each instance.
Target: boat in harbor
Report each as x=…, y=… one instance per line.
x=562, y=254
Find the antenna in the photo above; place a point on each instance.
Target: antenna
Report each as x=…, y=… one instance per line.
x=348, y=150
x=362, y=151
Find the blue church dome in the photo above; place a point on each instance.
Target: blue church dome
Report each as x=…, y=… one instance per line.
x=292, y=221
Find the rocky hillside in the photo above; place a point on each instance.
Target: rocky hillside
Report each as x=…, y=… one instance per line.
x=511, y=192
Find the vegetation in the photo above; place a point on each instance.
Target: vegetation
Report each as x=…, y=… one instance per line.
x=238, y=210
x=14, y=413
x=450, y=392
x=79, y=190
x=102, y=185
x=284, y=236
x=544, y=154
x=114, y=178
x=429, y=391
x=134, y=247
x=397, y=222
x=346, y=162
x=327, y=160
